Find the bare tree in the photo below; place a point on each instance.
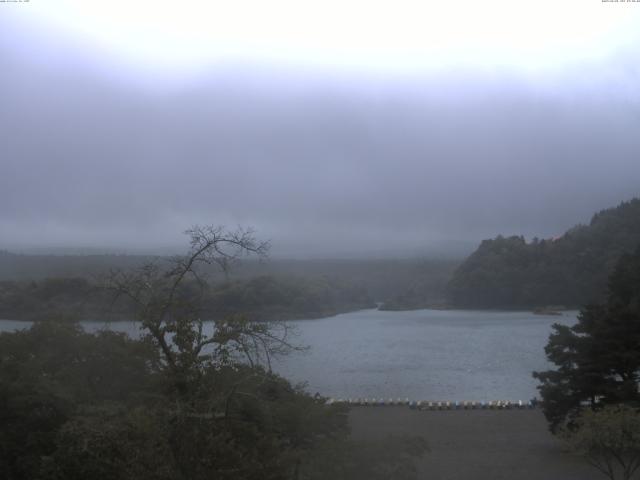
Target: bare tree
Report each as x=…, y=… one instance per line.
x=213, y=369
x=167, y=296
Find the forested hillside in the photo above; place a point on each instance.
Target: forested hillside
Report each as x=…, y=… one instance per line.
x=259, y=298
x=572, y=270
x=427, y=286
x=304, y=288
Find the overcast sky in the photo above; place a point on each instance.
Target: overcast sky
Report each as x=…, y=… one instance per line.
x=333, y=128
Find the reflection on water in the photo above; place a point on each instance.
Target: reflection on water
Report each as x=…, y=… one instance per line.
x=420, y=354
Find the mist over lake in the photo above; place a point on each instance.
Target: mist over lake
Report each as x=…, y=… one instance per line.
x=230, y=232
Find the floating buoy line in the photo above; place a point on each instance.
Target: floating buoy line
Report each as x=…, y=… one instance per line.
x=439, y=405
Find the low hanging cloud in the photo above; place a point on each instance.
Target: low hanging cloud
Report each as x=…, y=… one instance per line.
x=322, y=164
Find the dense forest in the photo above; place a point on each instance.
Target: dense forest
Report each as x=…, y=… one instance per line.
x=572, y=270
x=597, y=360
x=102, y=406
x=33, y=286
x=259, y=298
x=177, y=403
x=427, y=287
x=383, y=278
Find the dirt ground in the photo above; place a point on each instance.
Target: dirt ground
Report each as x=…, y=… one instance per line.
x=477, y=444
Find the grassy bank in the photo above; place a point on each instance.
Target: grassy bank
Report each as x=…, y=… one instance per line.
x=477, y=444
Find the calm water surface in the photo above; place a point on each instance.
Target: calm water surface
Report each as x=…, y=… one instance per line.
x=420, y=354
x=424, y=354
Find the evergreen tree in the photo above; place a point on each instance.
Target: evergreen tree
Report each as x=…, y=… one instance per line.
x=598, y=359
x=570, y=270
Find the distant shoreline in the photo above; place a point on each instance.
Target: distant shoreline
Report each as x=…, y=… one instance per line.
x=537, y=310
x=322, y=315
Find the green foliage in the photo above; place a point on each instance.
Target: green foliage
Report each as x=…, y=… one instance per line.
x=269, y=298
x=508, y=272
x=609, y=439
x=181, y=403
x=427, y=284
x=259, y=298
x=399, y=283
x=65, y=297
x=598, y=359
x=46, y=373
x=75, y=405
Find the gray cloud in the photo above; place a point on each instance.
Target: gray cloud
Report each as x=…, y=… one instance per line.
x=322, y=164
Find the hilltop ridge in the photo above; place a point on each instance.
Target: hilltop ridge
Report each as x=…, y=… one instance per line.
x=570, y=270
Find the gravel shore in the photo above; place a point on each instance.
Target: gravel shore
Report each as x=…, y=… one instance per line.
x=477, y=444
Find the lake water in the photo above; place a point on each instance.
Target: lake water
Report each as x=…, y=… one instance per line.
x=420, y=354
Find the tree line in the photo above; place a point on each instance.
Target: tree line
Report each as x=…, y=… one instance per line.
x=571, y=270
x=592, y=397
x=183, y=401
x=260, y=298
